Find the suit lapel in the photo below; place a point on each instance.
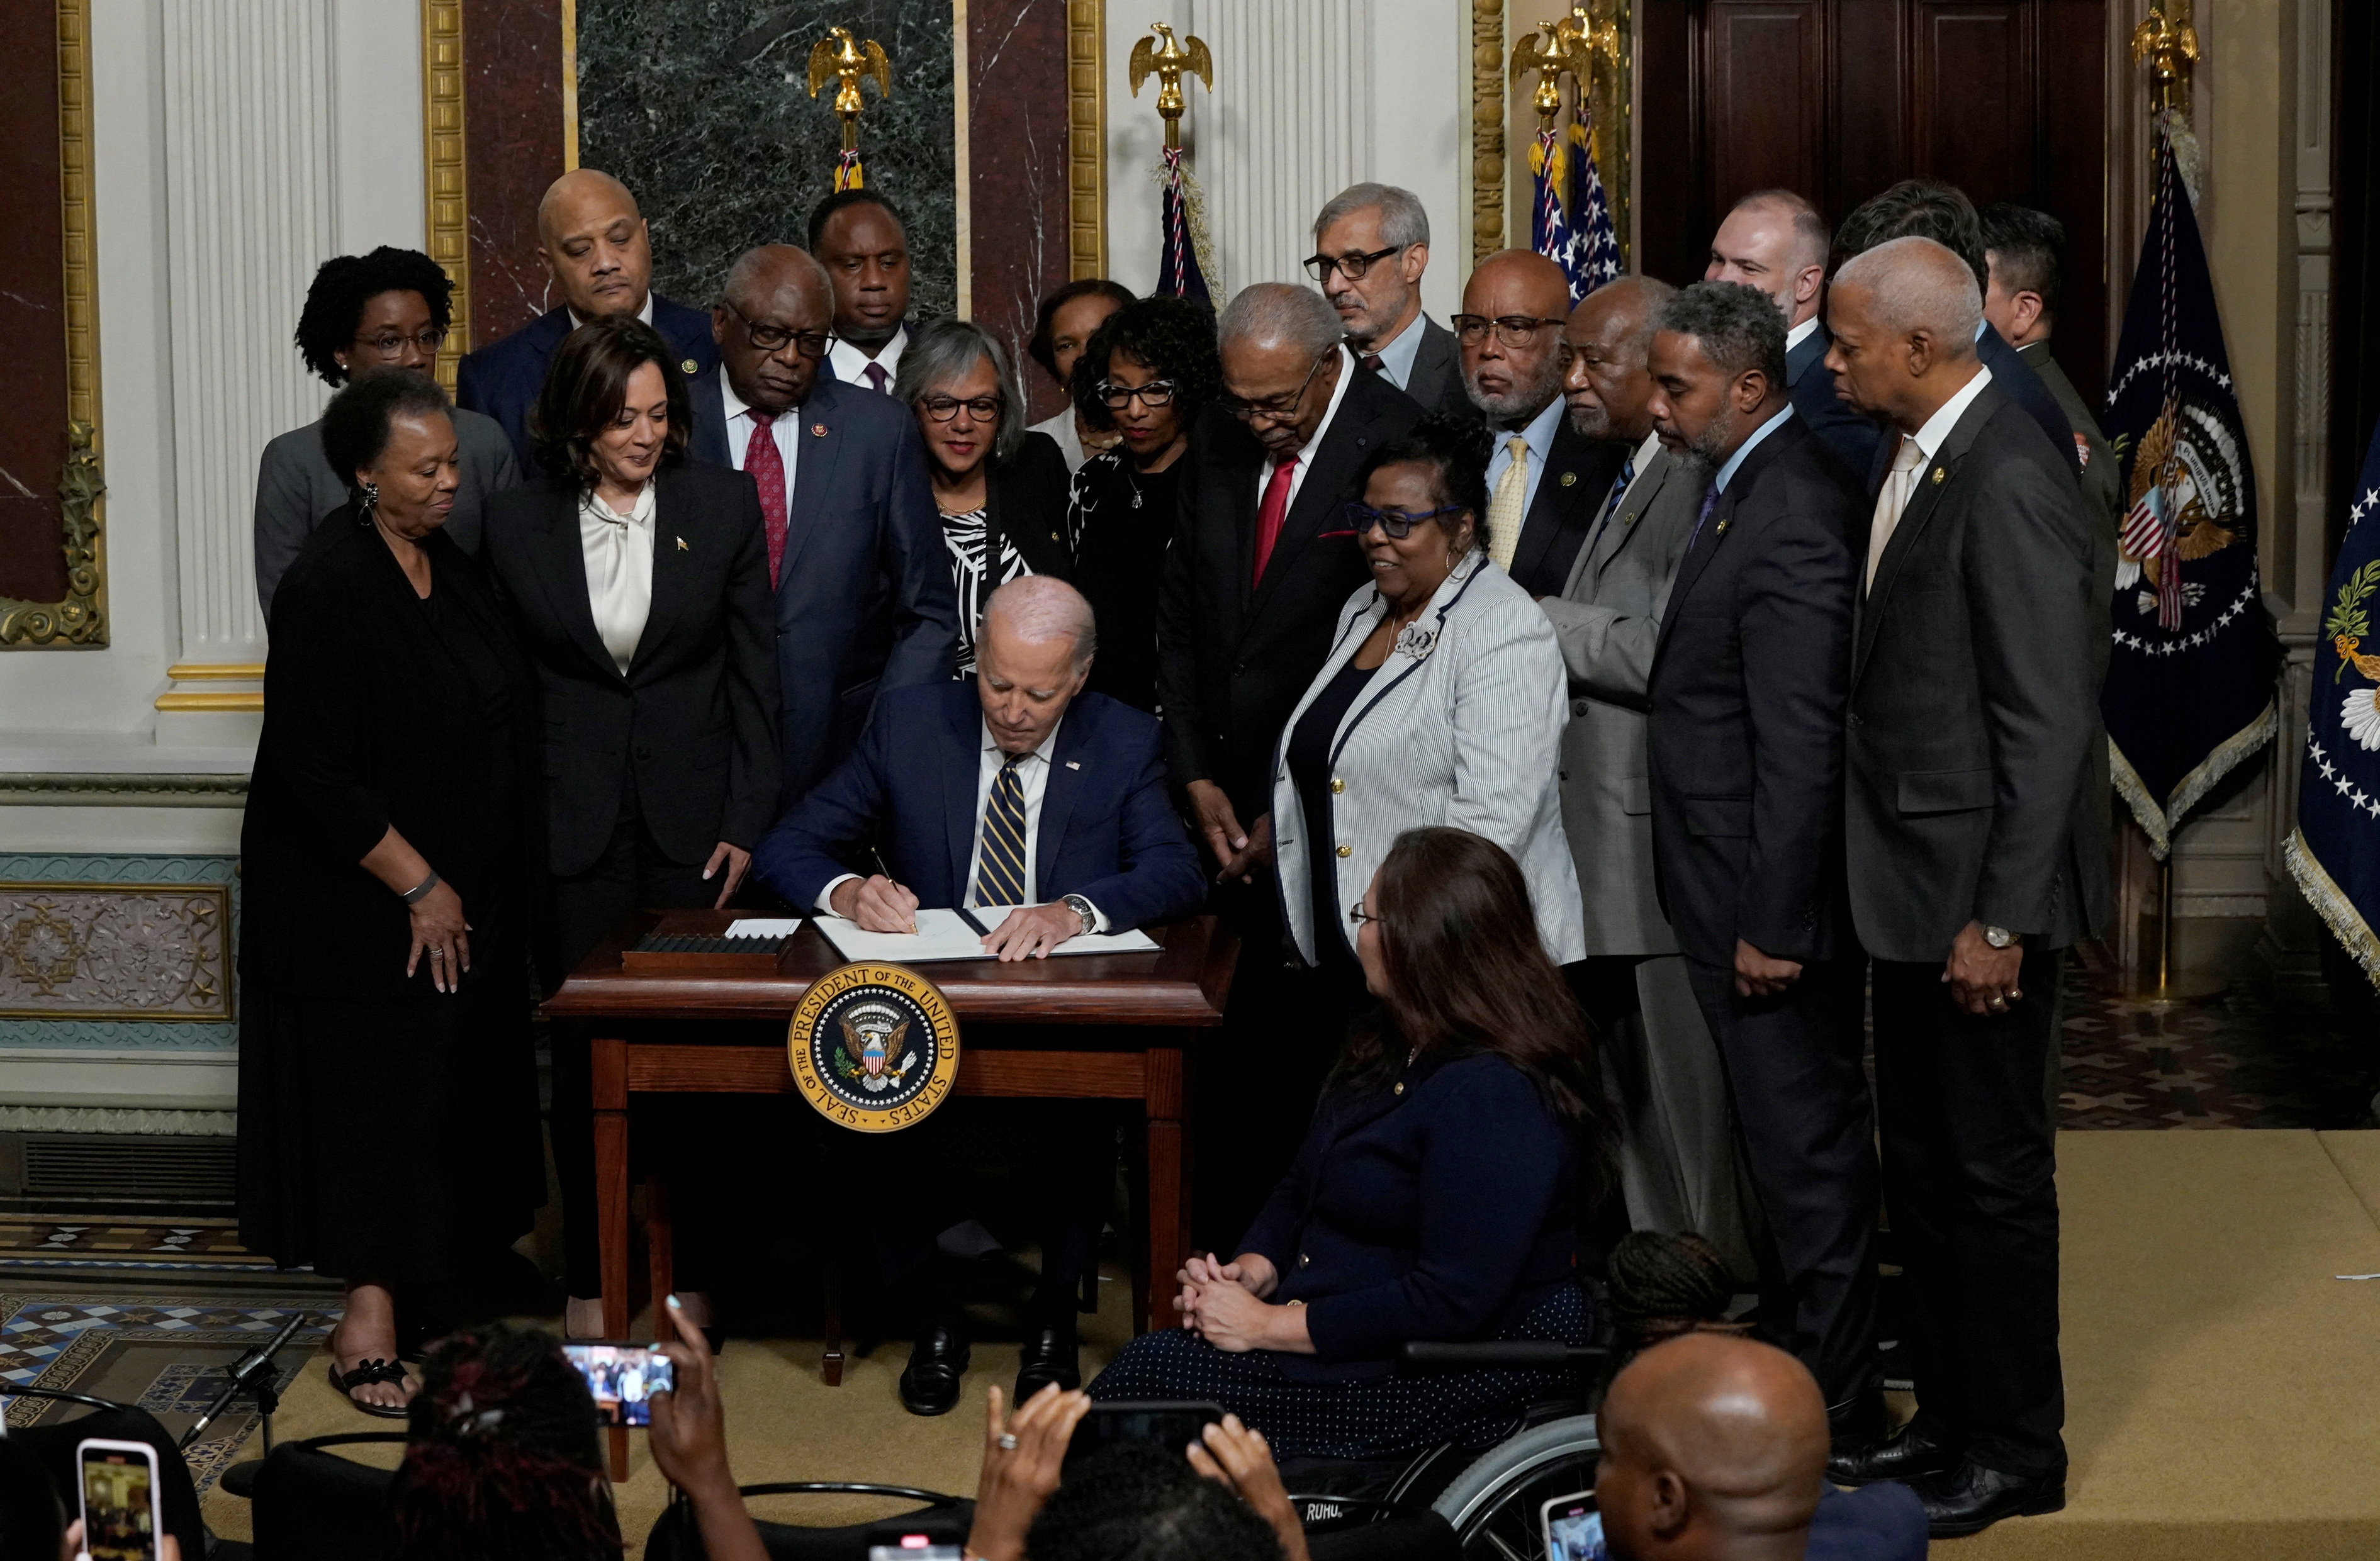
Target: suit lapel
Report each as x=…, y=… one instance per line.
x=1068, y=761
x=819, y=436
x=1698, y=556
x=1934, y=478
x=710, y=438
x=959, y=782
x=1625, y=510
x=1811, y=350
x=1344, y=448
x=673, y=567
x=562, y=573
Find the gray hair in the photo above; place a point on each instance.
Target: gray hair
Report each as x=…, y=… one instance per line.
x=1403, y=219
x=941, y=352
x=750, y=266
x=1042, y=607
x=1268, y=314
x=1916, y=285
x=1740, y=328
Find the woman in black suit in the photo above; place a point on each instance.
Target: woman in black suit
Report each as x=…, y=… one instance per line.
x=388, y=863
x=641, y=587
x=1002, y=488
x=1457, y=1148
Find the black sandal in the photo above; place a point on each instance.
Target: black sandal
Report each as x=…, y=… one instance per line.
x=367, y=1373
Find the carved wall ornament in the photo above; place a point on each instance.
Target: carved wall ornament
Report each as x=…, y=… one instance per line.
x=93, y=950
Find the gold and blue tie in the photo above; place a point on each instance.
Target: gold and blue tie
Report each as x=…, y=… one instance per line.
x=999, y=870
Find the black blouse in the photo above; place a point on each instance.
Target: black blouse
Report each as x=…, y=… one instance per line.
x=1309, y=771
x=1121, y=521
x=383, y=708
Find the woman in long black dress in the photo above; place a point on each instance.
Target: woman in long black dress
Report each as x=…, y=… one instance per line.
x=1146, y=375
x=388, y=1106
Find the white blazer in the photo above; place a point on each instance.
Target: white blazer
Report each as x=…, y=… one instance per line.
x=1467, y=733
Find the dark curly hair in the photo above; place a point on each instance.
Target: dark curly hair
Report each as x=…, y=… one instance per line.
x=1133, y=1502
x=587, y=384
x=334, y=304
x=503, y=1459
x=1040, y=347
x=354, y=424
x=1172, y=337
x=1457, y=449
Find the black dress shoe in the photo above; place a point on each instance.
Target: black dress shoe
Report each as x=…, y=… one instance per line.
x=1903, y=1456
x=929, y=1384
x=1048, y=1356
x=1969, y=1499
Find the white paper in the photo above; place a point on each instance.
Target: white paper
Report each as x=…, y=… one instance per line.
x=945, y=935
x=764, y=927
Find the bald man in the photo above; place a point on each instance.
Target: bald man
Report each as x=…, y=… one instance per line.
x=1775, y=240
x=1714, y=1450
x=1545, y=480
x=600, y=260
x=1977, y=857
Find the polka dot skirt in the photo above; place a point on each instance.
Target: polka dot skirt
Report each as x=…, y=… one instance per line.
x=1372, y=1417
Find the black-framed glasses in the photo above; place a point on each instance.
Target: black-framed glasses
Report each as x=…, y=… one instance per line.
x=1351, y=267
x=1154, y=394
x=1396, y=524
x=388, y=344
x=945, y=408
x=1512, y=330
x=1273, y=409
x=776, y=338
x=1357, y=915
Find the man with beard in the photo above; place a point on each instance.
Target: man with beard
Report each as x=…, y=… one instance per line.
x=1545, y=482
x=1371, y=245
x=1746, y=748
x=1677, y=1165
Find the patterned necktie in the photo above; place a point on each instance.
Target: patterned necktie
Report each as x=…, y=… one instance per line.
x=1271, y=513
x=1627, y=476
x=1506, y=510
x=878, y=378
x=1000, y=871
x=1890, y=499
x=766, y=467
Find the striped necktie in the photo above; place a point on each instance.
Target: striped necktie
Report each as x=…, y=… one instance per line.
x=999, y=868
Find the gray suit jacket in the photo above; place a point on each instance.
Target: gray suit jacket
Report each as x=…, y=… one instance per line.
x=1608, y=622
x=296, y=487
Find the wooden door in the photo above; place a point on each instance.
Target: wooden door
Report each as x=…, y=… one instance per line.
x=1839, y=99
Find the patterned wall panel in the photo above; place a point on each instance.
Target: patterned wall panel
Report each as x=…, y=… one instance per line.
x=117, y=951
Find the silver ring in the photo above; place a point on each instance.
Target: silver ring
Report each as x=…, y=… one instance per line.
x=437, y=953
x=1008, y=1441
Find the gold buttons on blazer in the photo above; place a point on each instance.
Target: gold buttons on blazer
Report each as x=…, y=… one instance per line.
x=1346, y=850
x=1337, y=785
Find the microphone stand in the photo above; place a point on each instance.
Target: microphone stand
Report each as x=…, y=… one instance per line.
x=253, y=1374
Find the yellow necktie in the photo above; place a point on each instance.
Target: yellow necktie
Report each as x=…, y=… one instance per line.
x=1509, y=508
x=1890, y=499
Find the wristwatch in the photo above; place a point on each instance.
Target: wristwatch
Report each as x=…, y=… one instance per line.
x=1999, y=937
x=1082, y=908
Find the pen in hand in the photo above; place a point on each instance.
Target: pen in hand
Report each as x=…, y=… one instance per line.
x=886, y=873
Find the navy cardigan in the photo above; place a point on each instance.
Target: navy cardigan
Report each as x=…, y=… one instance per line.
x=1445, y=1212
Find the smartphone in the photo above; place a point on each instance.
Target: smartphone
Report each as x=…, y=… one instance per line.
x=1574, y=1528
x=120, y=1519
x=904, y=1550
x=622, y=1377
x=1170, y=1425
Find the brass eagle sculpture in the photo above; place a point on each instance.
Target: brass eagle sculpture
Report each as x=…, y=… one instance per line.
x=839, y=56
x=1168, y=64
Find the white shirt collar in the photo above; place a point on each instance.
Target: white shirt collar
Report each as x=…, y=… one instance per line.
x=1796, y=335
x=1763, y=431
x=1540, y=431
x=851, y=363
x=1041, y=751
x=645, y=314
x=735, y=405
x=1946, y=417
x=1338, y=393
x=1397, y=357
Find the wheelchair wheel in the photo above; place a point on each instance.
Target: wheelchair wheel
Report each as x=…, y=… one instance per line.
x=1494, y=1505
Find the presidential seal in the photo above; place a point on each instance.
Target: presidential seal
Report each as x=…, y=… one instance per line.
x=874, y=1047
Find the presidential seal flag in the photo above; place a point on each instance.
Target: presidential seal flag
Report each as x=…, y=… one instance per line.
x=2190, y=680
x=2335, y=850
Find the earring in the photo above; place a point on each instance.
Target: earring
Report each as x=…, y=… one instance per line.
x=371, y=501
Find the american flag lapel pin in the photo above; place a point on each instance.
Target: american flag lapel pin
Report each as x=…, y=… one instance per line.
x=1074, y=763
x=682, y=547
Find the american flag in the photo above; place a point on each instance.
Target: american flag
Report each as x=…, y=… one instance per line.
x=1569, y=222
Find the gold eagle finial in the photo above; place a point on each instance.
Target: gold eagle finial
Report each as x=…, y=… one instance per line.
x=1168, y=63
x=839, y=56
x=2170, y=46
x=1552, y=52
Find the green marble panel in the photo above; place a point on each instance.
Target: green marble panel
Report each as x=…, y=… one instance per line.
x=702, y=108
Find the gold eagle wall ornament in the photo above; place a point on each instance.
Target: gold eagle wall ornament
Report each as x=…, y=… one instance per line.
x=838, y=56
x=1168, y=65
x=2168, y=43
x=1553, y=52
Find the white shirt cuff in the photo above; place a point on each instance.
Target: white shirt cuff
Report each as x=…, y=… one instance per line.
x=826, y=895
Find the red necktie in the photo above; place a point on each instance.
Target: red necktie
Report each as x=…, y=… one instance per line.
x=1271, y=512
x=766, y=469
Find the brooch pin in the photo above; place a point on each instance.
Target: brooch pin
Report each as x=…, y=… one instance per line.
x=1939, y=475
x=818, y=431
x=1570, y=479
x=690, y=367
x=1417, y=642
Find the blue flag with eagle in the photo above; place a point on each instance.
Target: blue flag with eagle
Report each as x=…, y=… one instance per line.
x=2335, y=850
x=1570, y=219
x=2190, y=677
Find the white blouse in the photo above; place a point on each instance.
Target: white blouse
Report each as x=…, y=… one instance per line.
x=619, y=552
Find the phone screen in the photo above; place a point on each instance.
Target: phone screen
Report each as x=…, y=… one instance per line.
x=119, y=1520
x=1169, y=1425
x=622, y=1377
x=1574, y=1528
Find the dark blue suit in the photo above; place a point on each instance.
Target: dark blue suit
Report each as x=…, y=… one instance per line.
x=1108, y=832
x=502, y=378
x=1858, y=443
x=864, y=593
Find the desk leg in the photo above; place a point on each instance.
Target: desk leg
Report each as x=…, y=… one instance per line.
x=609, y=1064
x=1165, y=1099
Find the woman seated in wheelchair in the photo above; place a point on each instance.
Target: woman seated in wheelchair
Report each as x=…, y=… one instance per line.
x=1459, y=1142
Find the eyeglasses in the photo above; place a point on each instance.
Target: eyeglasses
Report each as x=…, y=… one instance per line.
x=1396, y=524
x=775, y=338
x=945, y=408
x=1351, y=267
x=1512, y=330
x=1357, y=915
x=1154, y=394
x=388, y=344
x=1274, y=409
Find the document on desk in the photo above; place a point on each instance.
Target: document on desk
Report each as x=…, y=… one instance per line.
x=958, y=934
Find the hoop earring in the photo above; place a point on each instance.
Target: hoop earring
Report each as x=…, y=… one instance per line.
x=371, y=501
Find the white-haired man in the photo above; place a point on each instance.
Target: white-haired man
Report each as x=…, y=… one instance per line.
x=1071, y=832
x=1371, y=245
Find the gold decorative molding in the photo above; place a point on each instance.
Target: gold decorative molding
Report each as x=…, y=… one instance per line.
x=253, y=699
x=220, y=672
x=1087, y=139
x=80, y=619
x=569, y=86
x=1488, y=172
x=442, y=174
x=1611, y=70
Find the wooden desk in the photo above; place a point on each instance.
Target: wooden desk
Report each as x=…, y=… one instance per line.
x=1131, y=1018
